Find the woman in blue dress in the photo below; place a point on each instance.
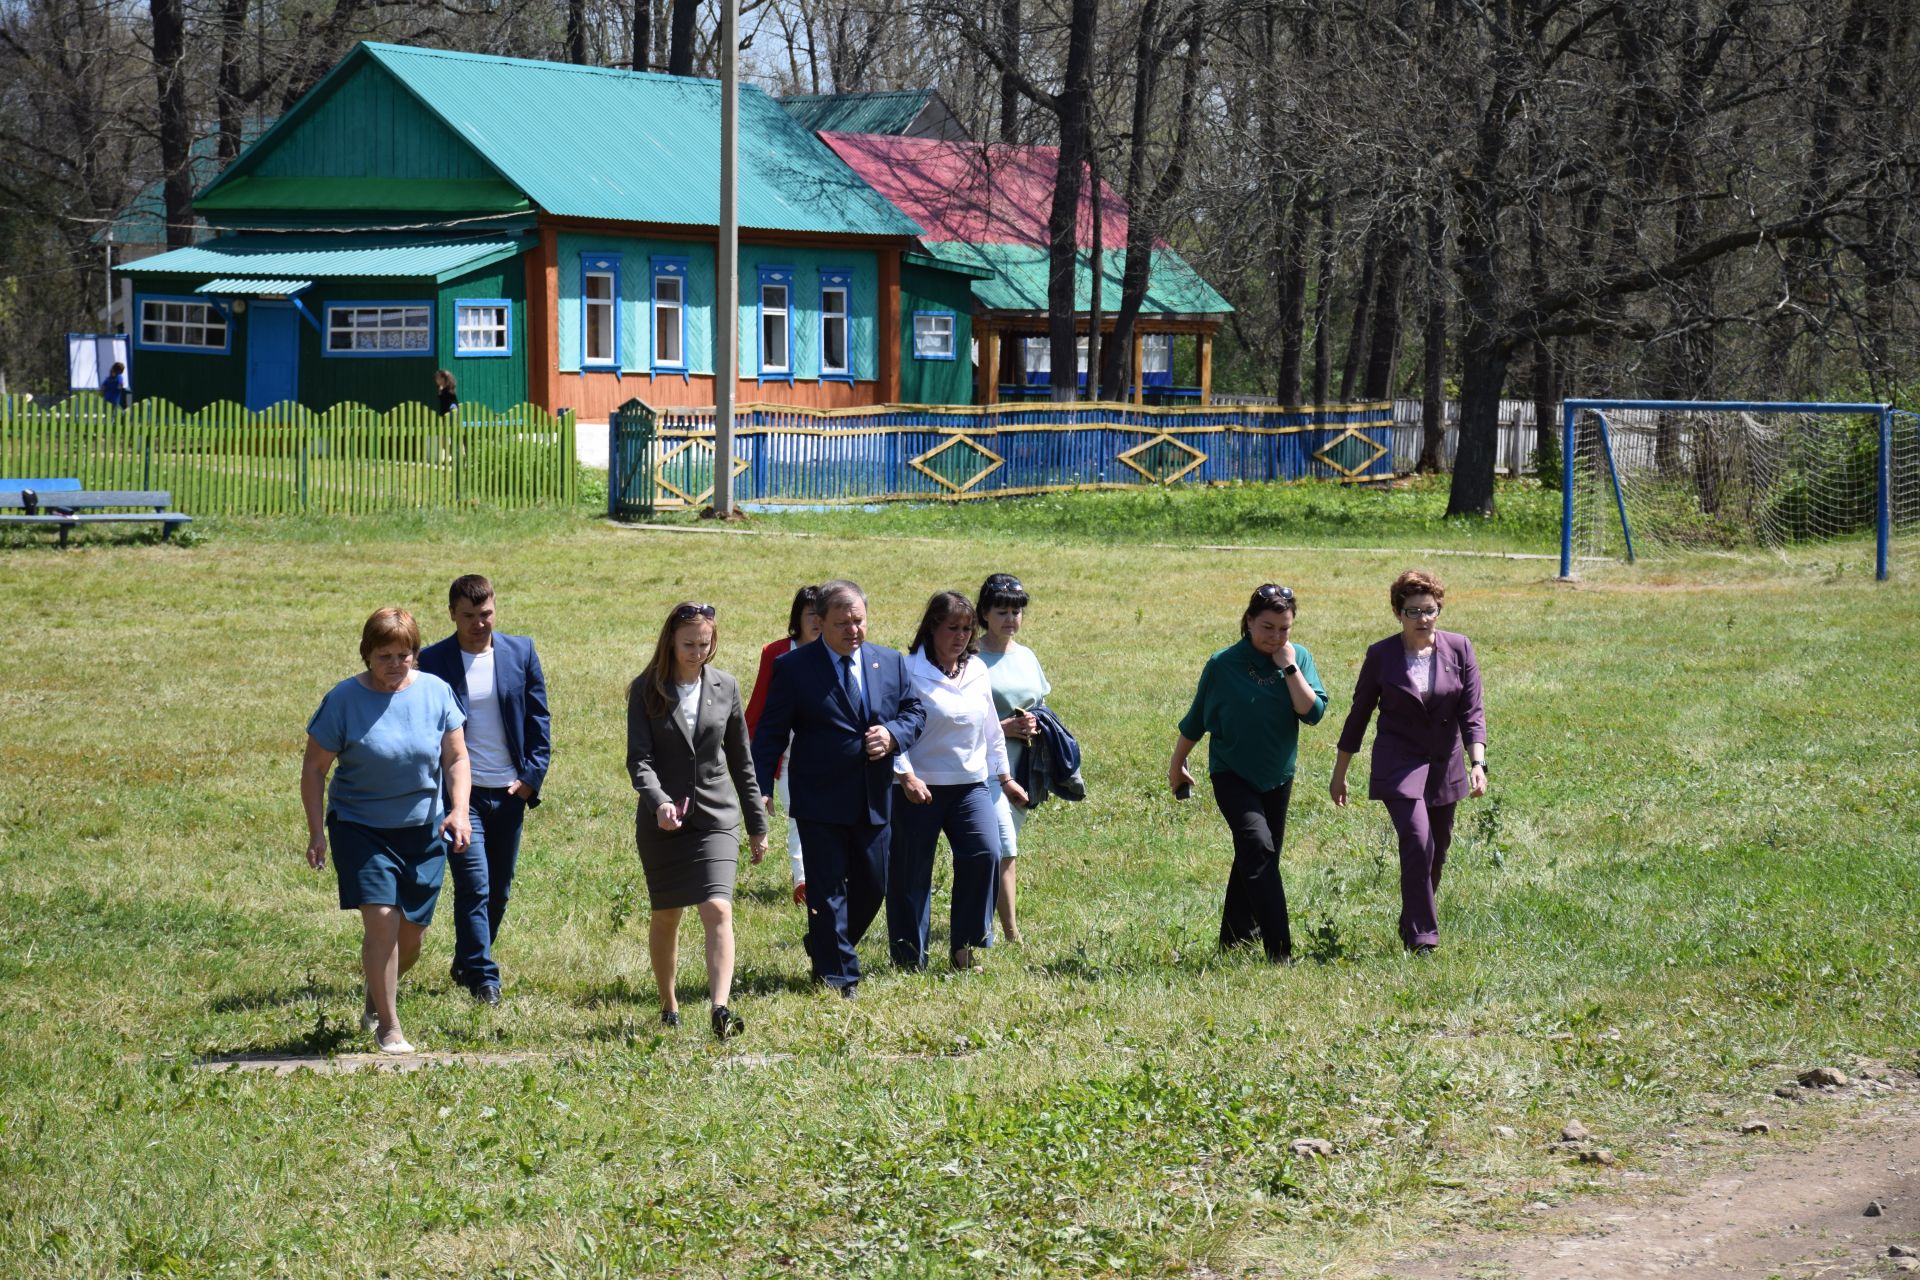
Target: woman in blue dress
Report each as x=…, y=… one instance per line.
x=396, y=804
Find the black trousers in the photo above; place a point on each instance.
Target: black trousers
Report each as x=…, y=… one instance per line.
x=1256, y=905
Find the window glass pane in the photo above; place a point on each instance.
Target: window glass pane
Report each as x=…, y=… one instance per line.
x=773, y=341
x=666, y=289
x=833, y=344
x=175, y=335
x=666, y=338
x=599, y=286
x=599, y=331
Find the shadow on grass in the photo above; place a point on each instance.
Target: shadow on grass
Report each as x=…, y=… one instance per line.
x=326, y=1037
x=312, y=992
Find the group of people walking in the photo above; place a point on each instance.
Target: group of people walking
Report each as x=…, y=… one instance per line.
x=437, y=754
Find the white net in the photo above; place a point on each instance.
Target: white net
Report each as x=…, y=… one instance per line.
x=1706, y=479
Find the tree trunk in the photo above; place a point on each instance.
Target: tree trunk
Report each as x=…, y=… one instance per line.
x=577, y=32
x=1433, y=395
x=1009, y=87
x=1362, y=317
x=1322, y=298
x=642, y=33
x=1483, y=378
x=1063, y=220
x=232, y=105
x=680, y=37
x=176, y=126
x=1384, y=357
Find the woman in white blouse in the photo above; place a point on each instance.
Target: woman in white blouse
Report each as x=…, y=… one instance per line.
x=1019, y=685
x=947, y=783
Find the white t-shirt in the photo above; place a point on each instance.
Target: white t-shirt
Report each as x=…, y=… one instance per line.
x=486, y=735
x=688, y=704
x=962, y=741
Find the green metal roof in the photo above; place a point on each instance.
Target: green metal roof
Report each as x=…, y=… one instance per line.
x=893, y=111
x=249, y=288
x=945, y=264
x=417, y=195
x=593, y=142
x=283, y=257
x=1019, y=279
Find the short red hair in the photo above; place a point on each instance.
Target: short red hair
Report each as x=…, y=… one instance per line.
x=1417, y=582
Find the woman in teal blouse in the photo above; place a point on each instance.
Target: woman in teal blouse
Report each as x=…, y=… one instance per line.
x=1253, y=697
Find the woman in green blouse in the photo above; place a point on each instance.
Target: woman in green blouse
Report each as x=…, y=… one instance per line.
x=1253, y=698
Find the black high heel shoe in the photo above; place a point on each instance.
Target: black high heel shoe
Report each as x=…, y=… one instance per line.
x=726, y=1023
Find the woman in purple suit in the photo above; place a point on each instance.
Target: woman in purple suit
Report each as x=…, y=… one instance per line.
x=1430, y=749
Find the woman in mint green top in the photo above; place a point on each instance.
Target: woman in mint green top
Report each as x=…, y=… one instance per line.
x=1253, y=697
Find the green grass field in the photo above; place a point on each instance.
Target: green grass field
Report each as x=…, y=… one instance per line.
x=1694, y=875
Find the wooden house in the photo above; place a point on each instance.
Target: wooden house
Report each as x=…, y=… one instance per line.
x=546, y=232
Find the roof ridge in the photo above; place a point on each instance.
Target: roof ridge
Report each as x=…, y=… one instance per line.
x=465, y=55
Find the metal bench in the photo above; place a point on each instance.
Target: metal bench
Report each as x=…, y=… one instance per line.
x=65, y=508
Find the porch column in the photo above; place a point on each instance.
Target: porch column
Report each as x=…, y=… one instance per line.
x=990, y=367
x=542, y=321
x=1139, y=366
x=1206, y=368
x=890, y=352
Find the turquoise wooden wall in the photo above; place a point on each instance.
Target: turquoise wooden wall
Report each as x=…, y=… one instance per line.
x=636, y=297
x=864, y=303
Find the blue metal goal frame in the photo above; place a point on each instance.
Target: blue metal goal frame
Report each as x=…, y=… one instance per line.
x=1571, y=410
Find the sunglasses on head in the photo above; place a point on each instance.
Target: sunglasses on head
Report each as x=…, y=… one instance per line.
x=687, y=612
x=1005, y=584
x=1272, y=593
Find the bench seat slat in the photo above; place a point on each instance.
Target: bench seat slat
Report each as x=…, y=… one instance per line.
x=160, y=517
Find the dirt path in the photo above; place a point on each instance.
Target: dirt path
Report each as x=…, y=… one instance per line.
x=1793, y=1214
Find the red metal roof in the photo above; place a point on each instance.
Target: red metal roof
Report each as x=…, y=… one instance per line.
x=992, y=194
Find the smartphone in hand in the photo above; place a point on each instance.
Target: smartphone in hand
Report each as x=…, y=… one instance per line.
x=1183, y=792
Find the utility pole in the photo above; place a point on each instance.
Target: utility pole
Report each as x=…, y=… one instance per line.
x=726, y=355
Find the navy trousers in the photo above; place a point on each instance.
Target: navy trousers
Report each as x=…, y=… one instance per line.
x=482, y=882
x=1426, y=833
x=1256, y=902
x=846, y=868
x=965, y=812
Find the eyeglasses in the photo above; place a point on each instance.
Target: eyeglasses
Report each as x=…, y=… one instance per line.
x=1431, y=611
x=1275, y=594
x=687, y=612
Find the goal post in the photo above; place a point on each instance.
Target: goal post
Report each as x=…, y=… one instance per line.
x=1686, y=475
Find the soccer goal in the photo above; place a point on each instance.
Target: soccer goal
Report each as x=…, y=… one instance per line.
x=1653, y=477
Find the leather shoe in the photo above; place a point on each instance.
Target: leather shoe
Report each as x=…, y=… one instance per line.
x=487, y=993
x=669, y=1017
x=726, y=1023
x=850, y=992
x=963, y=960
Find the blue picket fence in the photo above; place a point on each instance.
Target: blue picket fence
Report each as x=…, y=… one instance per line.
x=781, y=454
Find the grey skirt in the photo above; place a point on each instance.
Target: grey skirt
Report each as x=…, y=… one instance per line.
x=685, y=868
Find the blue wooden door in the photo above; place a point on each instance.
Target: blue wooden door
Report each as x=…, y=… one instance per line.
x=273, y=354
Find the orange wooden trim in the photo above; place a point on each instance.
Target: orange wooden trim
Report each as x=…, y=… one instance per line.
x=1139, y=367
x=1206, y=368
x=890, y=325
x=543, y=321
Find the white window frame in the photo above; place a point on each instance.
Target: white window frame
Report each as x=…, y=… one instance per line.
x=784, y=315
x=610, y=305
x=671, y=271
x=927, y=326
x=182, y=324
x=477, y=336
x=840, y=284
x=379, y=330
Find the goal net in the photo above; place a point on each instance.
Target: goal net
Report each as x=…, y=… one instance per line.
x=1653, y=478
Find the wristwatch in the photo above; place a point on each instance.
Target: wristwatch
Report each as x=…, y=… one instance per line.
x=1289, y=669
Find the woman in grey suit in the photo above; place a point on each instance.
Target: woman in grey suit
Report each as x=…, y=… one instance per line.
x=1430, y=750
x=686, y=732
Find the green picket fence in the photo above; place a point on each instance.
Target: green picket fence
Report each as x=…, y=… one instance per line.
x=229, y=461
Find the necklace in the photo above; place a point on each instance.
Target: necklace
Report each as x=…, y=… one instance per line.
x=1264, y=681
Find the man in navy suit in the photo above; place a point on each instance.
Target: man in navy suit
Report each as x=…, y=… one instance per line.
x=498, y=681
x=850, y=709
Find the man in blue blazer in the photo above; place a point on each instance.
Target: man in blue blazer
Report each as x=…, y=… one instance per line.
x=850, y=709
x=498, y=681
